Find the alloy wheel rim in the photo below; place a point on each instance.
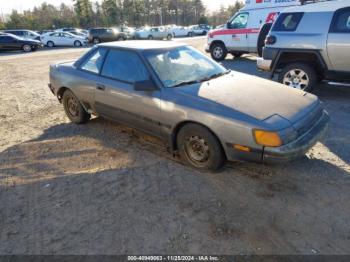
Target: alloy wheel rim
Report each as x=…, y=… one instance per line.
x=296, y=78
x=218, y=52
x=197, y=149
x=27, y=48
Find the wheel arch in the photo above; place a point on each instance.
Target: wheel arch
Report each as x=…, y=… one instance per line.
x=216, y=42
x=311, y=57
x=61, y=92
x=180, y=125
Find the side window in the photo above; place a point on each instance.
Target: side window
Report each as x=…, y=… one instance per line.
x=341, y=22
x=6, y=39
x=240, y=21
x=125, y=66
x=287, y=22
x=94, y=62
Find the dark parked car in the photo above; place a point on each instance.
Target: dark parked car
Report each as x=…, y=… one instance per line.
x=206, y=113
x=99, y=35
x=10, y=42
x=27, y=34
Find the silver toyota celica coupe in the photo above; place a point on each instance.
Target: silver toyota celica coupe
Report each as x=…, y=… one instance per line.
x=206, y=113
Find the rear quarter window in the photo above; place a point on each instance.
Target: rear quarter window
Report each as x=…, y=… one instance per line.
x=287, y=22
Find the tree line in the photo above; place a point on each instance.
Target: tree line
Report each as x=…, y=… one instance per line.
x=108, y=13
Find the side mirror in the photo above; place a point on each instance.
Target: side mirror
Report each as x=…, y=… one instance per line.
x=146, y=86
x=228, y=25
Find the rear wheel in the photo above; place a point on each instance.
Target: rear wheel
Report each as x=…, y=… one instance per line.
x=199, y=148
x=218, y=51
x=150, y=37
x=190, y=34
x=50, y=44
x=298, y=75
x=27, y=48
x=169, y=37
x=73, y=108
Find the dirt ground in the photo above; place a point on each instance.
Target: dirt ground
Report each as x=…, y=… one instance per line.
x=103, y=188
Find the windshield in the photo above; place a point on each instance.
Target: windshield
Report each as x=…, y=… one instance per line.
x=183, y=65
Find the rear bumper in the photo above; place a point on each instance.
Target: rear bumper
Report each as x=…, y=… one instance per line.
x=263, y=64
x=299, y=147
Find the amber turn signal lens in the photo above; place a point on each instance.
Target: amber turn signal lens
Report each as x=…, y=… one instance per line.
x=242, y=148
x=267, y=138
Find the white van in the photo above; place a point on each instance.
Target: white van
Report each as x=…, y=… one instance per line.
x=240, y=34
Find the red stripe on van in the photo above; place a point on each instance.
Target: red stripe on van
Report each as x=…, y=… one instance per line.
x=236, y=31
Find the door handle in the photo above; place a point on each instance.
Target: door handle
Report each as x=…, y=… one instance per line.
x=100, y=87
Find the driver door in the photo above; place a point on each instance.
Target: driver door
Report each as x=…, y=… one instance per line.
x=116, y=98
x=237, y=37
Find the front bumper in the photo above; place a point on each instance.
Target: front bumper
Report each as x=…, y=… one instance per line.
x=263, y=64
x=299, y=147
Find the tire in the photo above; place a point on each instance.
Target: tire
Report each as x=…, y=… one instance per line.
x=50, y=44
x=305, y=75
x=26, y=48
x=190, y=34
x=237, y=54
x=204, y=33
x=199, y=148
x=218, y=51
x=169, y=37
x=73, y=108
x=119, y=38
x=265, y=29
x=150, y=37
x=96, y=41
x=77, y=43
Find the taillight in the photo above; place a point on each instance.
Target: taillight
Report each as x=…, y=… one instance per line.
x=270, y=40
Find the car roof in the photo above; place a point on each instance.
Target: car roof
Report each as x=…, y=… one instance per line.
x=327, y=6
x=143, y=44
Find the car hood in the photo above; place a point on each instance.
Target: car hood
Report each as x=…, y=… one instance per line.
x=275, y=104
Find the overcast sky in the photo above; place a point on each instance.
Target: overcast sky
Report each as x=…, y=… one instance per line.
x=7, y=5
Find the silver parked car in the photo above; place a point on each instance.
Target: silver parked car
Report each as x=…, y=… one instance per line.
x=309, y=43
x=206, y=113
x=159, y=33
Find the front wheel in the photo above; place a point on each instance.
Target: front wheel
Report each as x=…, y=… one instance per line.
x=218, y=52
x=77, y=44
x=73, y=108
x=50, y=44
x=199, y=148
x=298, y=75
x=150, y=37
x=169, y=37
x=190, y=34
x=27, y=48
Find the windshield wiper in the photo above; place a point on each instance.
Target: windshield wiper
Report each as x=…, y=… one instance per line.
x=215, y=76
x=202, y=80
x=187, y=83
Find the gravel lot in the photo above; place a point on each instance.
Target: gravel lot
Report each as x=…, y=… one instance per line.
x=104, y=188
